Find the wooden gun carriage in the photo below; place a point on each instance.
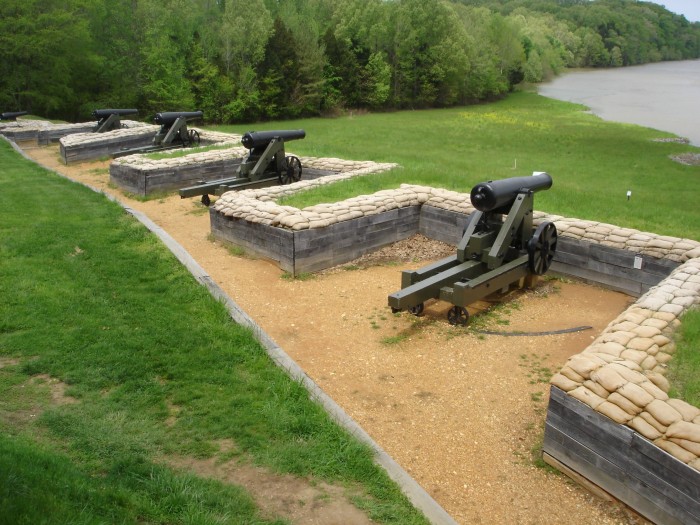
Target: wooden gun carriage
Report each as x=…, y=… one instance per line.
x=110, y=119
x=173, y=133
x=498, y=248
x=265, y=165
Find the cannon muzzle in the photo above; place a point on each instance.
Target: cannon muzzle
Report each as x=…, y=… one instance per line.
x=500, y=194
x=168, y=118
x=12, y=115
x=104, y=113
x=255, y=139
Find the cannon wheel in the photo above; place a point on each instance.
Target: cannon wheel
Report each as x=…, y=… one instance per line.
x=541, y=248
x=292, y=170
x=193, y=137
x=417, y=310
x=458, y=315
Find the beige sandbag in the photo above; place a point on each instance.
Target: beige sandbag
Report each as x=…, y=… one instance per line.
x=649, y=363
x=659, y=380
x=583, y=365
x=608, y=378
x=684, y=430
x=636, y=394
x=629, y=370
x=586, y=396
x=568, y=372
x=661, y=341
x=614, y=412
x=563, y=382
x=596, y=388
x=645, y=429
x=610, y=348
x=654, y=390
x=675, y=450
x=619, y=337
x=624, y=403
x=668, y=317
x=646, y=416
x=690, y=446
x=663, y=358
x=636, y=356
x=663, y=412
x=647, y=331
x=607, y=358
x=687, y=411
x=640, y=344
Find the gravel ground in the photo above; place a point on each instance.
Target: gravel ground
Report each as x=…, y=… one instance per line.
x=462, y=412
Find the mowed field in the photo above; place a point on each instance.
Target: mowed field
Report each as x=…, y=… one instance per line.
x=593, y=163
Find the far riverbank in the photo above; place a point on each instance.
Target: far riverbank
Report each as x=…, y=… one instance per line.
x=662, y=96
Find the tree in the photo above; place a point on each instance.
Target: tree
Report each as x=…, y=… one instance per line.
x=48, y=56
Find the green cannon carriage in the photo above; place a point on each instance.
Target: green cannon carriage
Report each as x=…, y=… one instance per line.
x=110, y=119
x=173, y=133
x=265, y=165
x=497, y=249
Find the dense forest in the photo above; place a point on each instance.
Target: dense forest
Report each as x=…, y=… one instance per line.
x=246, y=60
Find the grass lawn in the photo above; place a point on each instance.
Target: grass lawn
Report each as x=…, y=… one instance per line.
x=156, y=368
x=593, y=163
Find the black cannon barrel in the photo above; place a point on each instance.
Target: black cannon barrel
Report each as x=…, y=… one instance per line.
x=494, y=194
x=169, y=117
x=12, y=115
x=103, y=113
x=254, y=139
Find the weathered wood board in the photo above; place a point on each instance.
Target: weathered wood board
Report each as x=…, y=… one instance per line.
x=621, y=462
x=617, y=269
x=104, y=148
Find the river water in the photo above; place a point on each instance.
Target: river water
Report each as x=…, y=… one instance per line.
x=664, y=95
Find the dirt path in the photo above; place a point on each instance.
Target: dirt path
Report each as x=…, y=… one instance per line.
x=460, y=411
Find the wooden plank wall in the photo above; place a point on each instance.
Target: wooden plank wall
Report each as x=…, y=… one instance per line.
x=96, y=150
x=53, y=134
x=276, y=244
x=342, y=242
x=146, y=183
x=621, y=462
x=612, y=267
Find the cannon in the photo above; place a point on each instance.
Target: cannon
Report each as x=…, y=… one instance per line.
x=173, y=133
x=110, y=119
x=12, y=115
x=266, y=164
x=498, y=248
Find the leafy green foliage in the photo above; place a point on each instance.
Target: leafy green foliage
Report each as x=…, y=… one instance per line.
x=243, y=61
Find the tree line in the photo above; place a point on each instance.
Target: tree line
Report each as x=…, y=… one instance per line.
x=247, y=60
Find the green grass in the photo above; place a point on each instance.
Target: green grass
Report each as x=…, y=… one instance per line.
x=91, y=298
x=684, y=368
x=182, y=152
x=593, y=162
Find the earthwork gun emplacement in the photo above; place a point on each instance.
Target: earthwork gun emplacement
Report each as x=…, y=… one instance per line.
x=110, y=119
x=498, y=248
x=173, y=133
x=12, y=115
x=266, y=164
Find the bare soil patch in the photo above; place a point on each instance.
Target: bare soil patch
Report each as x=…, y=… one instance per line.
x=295, y=499
x=461, y=411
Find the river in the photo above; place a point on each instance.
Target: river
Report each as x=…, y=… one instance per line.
x=663, y=95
